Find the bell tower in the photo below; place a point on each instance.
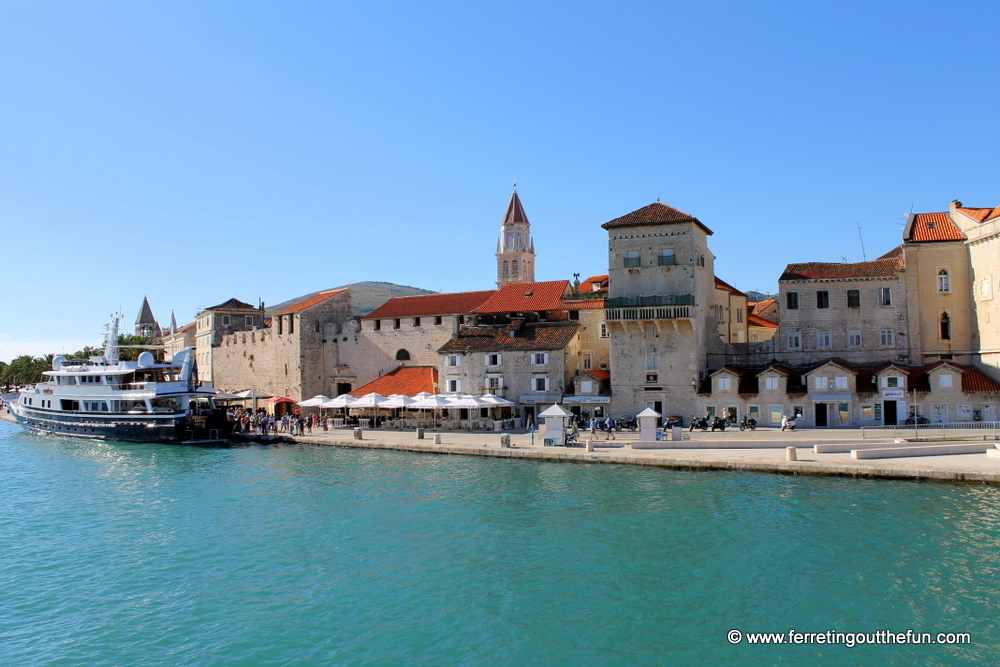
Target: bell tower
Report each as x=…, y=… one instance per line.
x=515, y=249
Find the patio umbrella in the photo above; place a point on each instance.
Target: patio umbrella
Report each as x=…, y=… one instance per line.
x=342, y=401
x=496, y=401
x=468, y=402
x=431, y=403
x=280, y=399
x=372, y=400
x=315, y=401
x=397, y=401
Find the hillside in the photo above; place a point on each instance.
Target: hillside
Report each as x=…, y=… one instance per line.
x=368, y=296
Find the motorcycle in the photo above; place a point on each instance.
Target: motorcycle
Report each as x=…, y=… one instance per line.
x=629, y=423
x=917, y=419
x=719, y=423
x=787, y=423
x=748, y=423
x=699, y=422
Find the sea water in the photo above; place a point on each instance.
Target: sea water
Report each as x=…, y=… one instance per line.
x=138, y=554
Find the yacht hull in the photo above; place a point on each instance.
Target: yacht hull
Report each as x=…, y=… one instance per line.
x=173, y=427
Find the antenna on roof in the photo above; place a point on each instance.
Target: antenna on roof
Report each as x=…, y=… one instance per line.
x=863, y=255
x=515, y=180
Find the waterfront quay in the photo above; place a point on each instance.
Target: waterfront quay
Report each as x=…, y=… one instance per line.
x=763, y=450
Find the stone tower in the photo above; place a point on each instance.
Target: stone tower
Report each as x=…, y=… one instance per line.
x=145, y=323
x=515, y=249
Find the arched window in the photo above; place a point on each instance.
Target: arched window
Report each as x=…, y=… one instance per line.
x=945, y=327
x=944, y=284
x=506, y=269
x=514, y=267
x=517, y=242
x=402, y=355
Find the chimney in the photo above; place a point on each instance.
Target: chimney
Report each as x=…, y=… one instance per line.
x=954, y=204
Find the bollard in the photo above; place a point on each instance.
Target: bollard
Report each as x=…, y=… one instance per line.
x=677, y=434
x=590, y=445
x=437, y=438
x=791, y=454
x=357, y=434
x=420, y=434
x=505, y=440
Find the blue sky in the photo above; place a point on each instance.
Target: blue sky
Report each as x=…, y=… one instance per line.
x=194, y=151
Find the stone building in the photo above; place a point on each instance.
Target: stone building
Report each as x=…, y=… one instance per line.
x=218, y=321
x=145, y=323
x=291, y=356
x=853, y=311
x=663, y=311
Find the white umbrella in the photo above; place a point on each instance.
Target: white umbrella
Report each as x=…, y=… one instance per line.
x=397, y=401
x=468, y=402
x=372, y=400
x=431, y=403
x=423, y=394
x=315, y=401
x=342, y=401
x=496, y=401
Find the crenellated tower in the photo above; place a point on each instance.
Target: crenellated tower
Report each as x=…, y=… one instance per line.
x=515, y=249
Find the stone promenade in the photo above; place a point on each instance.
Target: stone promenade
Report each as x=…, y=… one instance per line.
x=763, y=450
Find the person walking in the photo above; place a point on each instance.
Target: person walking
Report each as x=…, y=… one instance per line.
x=593, y=428
x=609, y=424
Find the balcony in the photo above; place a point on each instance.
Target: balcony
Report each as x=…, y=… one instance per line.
x=666, y=260
x=663, y=307
x=632, y=262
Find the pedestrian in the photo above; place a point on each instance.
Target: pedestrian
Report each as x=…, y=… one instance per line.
x=593, y=427
x=610, y=425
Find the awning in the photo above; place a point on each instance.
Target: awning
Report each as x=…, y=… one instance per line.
x=280, y=399
x=539, y=399
x=580, y=400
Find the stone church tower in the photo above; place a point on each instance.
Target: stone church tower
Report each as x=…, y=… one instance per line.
x=515, y=249
x=145, y=323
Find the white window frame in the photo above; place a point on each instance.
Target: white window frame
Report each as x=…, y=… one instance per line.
x=486, y=359
x=821, y=383
x=823, y=339
x=539, y=358
x=770, y=382
x=944, y=281
x=544, y=381
x=604, y=330
x=945, y=380
x=794, y=340
x=248, y=321
x=854, y=338
x=886, y=337
x=225, y=320
x=587, y=361
x=723, y=383
x=885, y=296
x=453, y=360
x=454, y=385
x=840, y=382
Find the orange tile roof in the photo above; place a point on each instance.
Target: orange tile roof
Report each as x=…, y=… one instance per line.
x=760, y=306
x=521, y=297
x=581, y=304
x=405, y=380
x=886, y=265
x=656, y=213
x=595, y=284
x=981, y=214
x=931, y=227
x=722, y=284
x=424, y=305
x=311, y=301
x=758, y=321
x=600, y=375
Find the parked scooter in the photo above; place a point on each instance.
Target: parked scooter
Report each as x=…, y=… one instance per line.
x=699, y=422
x=787, y=423
x=719, y=424
x=748, y=423
x=916, y=419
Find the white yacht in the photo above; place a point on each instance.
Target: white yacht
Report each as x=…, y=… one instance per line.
x=106, y=398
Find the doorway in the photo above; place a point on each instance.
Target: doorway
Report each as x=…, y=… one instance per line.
x=656, y=405
x=889, y=413
x=821, y=414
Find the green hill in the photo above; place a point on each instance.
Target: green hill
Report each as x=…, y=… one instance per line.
x=368, y=296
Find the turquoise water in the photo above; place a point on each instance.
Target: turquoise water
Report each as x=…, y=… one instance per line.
x=129, y=554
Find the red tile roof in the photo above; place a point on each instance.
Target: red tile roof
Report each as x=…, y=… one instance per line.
x=886, y=265
x=600, y=375
x=931, y=227
x=515, y=212
x=581, y=304
x=311, y=301
x=758, y=321
x=527, y=337
x=656, y=213
x=723, y=285
x=760, y=306
x=521, y=297
x=406, y=380
x=595, y=284
x=975, y=380
x=424, y=305
x=981, y=214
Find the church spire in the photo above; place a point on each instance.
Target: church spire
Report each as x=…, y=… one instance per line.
x=145, y=323
x=515, y=248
